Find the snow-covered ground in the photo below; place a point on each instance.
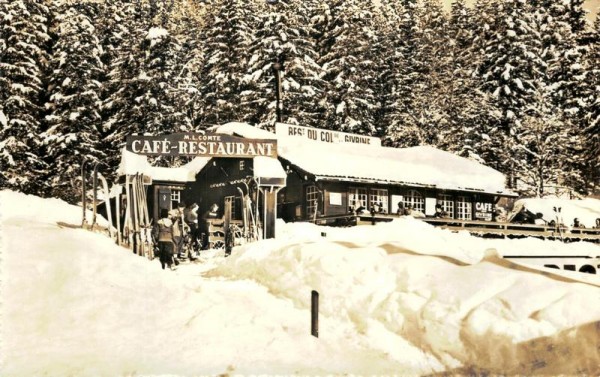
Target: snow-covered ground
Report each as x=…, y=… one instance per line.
x=587, y=211
x=401, y=298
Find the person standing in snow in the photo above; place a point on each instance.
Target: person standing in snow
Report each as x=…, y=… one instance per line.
x=163, y=233
x=191, y=218
x=204, y=225
x=176, y=215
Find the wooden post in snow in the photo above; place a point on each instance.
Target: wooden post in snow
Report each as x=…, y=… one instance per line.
x=314, y=314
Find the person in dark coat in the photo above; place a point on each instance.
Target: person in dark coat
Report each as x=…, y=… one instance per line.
x=163, y=234
x=191, y=218
x=439, y=211
x=211, y=213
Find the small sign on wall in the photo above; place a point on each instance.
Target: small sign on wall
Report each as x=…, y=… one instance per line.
x=430, y=206
x=484, y=211
x=335, y=198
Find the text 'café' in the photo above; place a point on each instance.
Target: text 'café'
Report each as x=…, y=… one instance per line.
x=193, y=145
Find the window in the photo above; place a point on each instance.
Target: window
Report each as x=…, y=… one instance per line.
x=414, y=200
x=232, y=200
x=312, y=201
x=463, y=206
x=242, y=165
x=357, y=197
x=447, y=204
x=175, y=198
x=379, y=196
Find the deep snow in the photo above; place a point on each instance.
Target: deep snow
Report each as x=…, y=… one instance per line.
x=400, y=298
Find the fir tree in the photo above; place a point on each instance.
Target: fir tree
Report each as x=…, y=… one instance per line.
x=510, y=63
x=402, y=127
x=347, y=56
x=23, y=57
x=592, y=118
x=74, y=119
x=469, y=113
x=283, y=43
x=227, y=39
x=151, y=92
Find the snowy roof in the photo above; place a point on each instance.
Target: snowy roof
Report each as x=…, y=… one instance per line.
x=420, y=166
x=242, y=130
x=268, y=167
x=132, y=163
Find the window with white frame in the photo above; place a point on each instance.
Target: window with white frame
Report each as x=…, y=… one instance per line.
x=357, y=197
x=447, y=203
x=379, y=199
x=463, y=208
x=312, y=200
x=414, y=200
x=175, y=198
x=242, y=165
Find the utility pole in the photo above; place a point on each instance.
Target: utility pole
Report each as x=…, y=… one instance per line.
x=277, y=68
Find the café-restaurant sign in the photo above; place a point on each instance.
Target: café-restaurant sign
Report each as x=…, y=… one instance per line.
x=201, y=145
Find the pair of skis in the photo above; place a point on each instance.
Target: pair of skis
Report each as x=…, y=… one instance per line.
x=95, y=176
x=138, y=223
x=559, y=221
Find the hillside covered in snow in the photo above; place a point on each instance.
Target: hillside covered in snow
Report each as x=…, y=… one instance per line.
x=401, y=298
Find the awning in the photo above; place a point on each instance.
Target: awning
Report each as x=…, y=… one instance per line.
x=269, y=172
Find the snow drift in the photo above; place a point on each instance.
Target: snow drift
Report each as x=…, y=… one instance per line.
x=399, y=298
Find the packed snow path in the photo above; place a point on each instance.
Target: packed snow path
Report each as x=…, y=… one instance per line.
x=401, y=298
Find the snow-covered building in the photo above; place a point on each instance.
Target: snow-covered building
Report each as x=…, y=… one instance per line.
x=322, y=174
x=224, y=181
x=333, y=173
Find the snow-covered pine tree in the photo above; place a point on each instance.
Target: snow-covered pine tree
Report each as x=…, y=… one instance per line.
x=228, y=34
x=561, y=52
x=509, y=73
x=24, y=42
x=283, y=39
x=402, y=127
x=546, y=144
x=187, y=23
x=348, y=57
x=150, y=90
x=74, y=116
x=385, y=53
x=468, y=113
x=560, y=77
x=592, y=118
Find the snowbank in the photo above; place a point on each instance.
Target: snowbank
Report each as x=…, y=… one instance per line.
x=400, y=298
x=586, y=210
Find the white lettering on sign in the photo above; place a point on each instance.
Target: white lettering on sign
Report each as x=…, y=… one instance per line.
x=201, y=145
x=484, y=207
x=483, y=211
x=324, y=136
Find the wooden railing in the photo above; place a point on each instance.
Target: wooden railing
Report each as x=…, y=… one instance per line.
x=474, y=226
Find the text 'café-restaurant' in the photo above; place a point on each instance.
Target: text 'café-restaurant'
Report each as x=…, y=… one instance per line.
x=309, y=174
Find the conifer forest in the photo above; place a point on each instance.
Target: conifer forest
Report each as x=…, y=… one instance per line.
x=513, y=84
